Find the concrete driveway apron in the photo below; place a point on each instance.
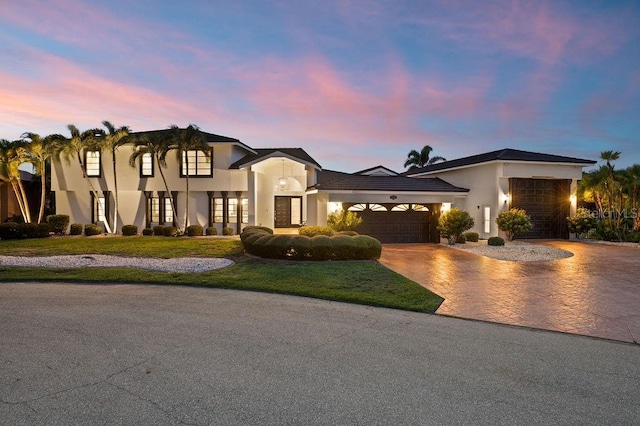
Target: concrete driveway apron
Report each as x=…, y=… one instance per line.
x=596, y=292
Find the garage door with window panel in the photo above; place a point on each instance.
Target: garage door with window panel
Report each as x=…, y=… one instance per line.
x=547, y=203
x=397, y=223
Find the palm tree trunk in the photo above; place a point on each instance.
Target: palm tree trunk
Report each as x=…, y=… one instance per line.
x=166, y=186
x=186, y=216
x=96, y=195
x=115, y=198
x=24, y=209
x=43, y=188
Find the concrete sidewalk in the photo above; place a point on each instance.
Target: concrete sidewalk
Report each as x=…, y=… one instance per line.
x=596, y=292
x=105, y=354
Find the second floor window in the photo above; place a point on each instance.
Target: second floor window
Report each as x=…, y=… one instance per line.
x=146, y=165
x=92, y=163
x=199, y=164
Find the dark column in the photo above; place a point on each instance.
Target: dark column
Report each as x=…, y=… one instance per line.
x=239, y=212
x=174, y=195
x=225, y=208
x=161, y=207
x=211, y=195
x=147, y=208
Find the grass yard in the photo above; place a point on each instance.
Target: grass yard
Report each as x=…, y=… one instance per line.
x=362, y=282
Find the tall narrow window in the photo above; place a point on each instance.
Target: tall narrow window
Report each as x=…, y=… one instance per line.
x=99, y=210
x=487, y=219
x=146, y=165
x=245, y=210
x=296, y=210
x=233, y=210
x=217, y=210
x=199, y=164
x=168, y=211
x=92, y=163
x=155, y=210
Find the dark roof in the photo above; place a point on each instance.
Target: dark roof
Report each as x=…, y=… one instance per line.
x=332, y=180
x=209, y=137
x=366, y=171
x=297, y=153
x=500, y=155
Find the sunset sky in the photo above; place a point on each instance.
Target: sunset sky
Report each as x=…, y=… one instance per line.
x=355, y=83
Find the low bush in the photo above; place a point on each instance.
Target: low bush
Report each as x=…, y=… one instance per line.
x=344, y=220
x=158, y=230
x=261, y=242
x=58, y=223
x=194, y=230
x=495, y=241
x=257, y=228
x=170, y=231
x=514, y=222
x=10, y=231
x=147, y=231
x=581, y=223
x=44, y=230
x=212, y=230
x=472, y=237
x=227, y=231
x=461, y=239
x=350, y=233
x=90, y=229
x=453, y=223
x=129, y=230
x=312, y=231
x=76, y=229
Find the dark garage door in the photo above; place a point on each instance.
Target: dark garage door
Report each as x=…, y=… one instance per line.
x=546, y=202
x=397, y=223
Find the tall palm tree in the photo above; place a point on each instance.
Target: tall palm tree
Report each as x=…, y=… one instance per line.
x=156, y=145
x=114, y=139
x=12, y=156
x=423, y=158
x=612, y=183
x=183, y=141
x=633, y=181
x=40, y=152
x=75, y=146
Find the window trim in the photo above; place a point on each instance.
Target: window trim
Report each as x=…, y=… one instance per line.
x=142, y=175
x=197, y=153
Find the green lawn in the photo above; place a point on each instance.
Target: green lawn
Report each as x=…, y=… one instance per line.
x=362, y=282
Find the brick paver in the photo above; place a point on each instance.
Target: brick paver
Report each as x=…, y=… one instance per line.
x=596, y=292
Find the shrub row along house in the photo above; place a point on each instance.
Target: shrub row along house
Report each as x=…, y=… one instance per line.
x=226, y=183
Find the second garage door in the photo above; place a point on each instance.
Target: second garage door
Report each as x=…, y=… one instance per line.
x=397, y=223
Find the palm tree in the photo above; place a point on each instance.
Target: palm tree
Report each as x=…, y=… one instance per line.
x=39, y=152
x=113, y=140
x=183, y=141
x=12, y=156
x=76, y=145
x=157, y=146
x=420, y=159
x=633, y=181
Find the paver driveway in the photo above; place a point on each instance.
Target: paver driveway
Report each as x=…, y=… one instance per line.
x=596, y=292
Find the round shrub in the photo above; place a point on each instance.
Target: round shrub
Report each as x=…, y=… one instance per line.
x=129, y=230
x=321, y=247
x=369, y=247
x=58, y=223
x=461, y=239
x=194, y=230
x=312, y=231
x=76, y=229
x=170, y=231
x=453, y=223
x=514, y=222
x=212, y=230
x=90, y=229
x=350, y=233
x=495, y=241
x=472, y=236
x=344, y=220
x=158, y=230
x=147, y=231
x=581, y=223
x=300, y=247
x=44, y=230
x=10, y=231
x=227, y=231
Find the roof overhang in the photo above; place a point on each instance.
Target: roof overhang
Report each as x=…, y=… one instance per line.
x=276, y=155
x=466, y=166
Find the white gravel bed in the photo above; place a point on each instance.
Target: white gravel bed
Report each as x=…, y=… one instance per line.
x=177, y=264
x=516, y=251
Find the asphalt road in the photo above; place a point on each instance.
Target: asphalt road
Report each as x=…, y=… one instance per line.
x=102, y=354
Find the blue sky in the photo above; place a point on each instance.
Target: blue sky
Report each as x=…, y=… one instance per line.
x=355, y=83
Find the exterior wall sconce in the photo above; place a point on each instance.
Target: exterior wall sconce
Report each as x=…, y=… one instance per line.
x=573, y=198
x=445, y=207
x=506, y=198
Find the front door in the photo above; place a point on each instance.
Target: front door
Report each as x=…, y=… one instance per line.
x=288, y=212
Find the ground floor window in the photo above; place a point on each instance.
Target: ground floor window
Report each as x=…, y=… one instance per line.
x=161, y=210
x=99, y=210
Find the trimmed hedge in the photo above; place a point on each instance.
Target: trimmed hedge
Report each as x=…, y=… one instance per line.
x=58, y=223
x=194, y=230
x=169, y=231
x=21, y=231
x=147, y=231
x=90, y=229
x=212, y=230
x=227, y=231
x=129, y=230
x=158, y=230
x=76, y=229
x=461, y=239
x=263, y=243
x=472, y=237
x=312, y=231
x=495, y=241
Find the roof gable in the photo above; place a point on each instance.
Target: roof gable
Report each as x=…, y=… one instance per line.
x=377, y=171
x=297, y=154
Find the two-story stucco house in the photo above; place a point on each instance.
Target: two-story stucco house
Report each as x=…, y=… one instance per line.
x=284, y=188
